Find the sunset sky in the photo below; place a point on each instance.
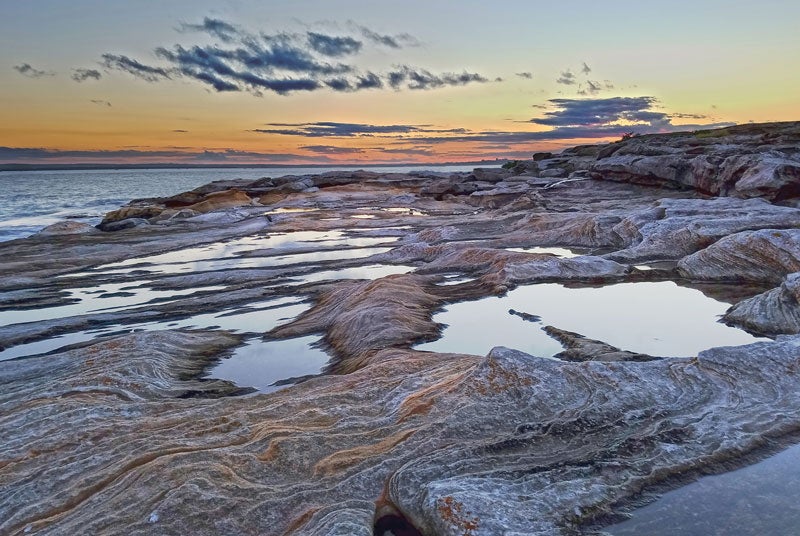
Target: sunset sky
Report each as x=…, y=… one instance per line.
x=326, y=81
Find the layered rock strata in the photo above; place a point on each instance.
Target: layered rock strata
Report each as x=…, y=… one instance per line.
x=124, y=434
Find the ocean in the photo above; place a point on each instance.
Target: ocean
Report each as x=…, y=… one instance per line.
x=32, y=200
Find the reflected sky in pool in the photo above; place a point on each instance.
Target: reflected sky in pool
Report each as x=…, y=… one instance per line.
x=660, y=319
x=260, y=363
x=759, y=500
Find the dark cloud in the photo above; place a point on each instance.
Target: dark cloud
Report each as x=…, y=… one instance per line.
x=25, y=69
x=180, y=130
x=526, y=74
x=225, y=31
x=331, y=149
x=283, y=62
x=369, y=81
x=600, y=112
x=585, y=69
x=567, y=78
x=333, y=46
x=15, y=154
x=582, y=118
x=411, y=151
x=590, y=87
x=100, y=102
x=392, y=41
x=422, y=79
x=134, y=67
x=688, y=116
x=333, y=129
x=81, y=75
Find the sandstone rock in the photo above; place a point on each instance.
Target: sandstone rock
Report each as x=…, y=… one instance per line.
x=220, y=200
x=553, y=173
x=579, y=348
x=496, y=197
x=775, y=311
x=124, y=436
x=490, y=174
x=119, y=225
x=777, y=179
x=143, y=212
x=67, y=227
x=765, y=255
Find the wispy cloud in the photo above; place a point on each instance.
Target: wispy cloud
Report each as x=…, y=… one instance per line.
x=147, y=73
x=82, y=75
x=331, y=149
x=333, y=46
x=332, y=129
x=100, y=102
x=225, y=31
x=284, y=62
x=412, y=78
x=25, y=69
x=567, y=78
x=392, y=41
x=525, y=74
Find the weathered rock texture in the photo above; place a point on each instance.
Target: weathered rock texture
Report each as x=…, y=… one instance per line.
x=122, y=435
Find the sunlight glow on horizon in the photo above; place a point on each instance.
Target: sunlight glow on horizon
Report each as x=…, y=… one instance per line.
x=550, y=77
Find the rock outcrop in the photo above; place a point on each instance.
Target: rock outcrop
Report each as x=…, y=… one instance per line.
x=111, y=424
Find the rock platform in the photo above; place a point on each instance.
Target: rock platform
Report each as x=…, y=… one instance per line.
x=125, y=433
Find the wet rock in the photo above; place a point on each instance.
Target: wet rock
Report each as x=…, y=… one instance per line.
x=773, y=312
x=580, y=348
x=124, y=436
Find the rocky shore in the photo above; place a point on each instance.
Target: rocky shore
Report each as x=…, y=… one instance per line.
x=112, y=424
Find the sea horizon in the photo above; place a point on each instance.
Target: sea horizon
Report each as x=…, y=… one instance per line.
x=32, y=199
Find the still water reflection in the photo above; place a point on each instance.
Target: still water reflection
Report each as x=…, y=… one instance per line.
x=660, y=319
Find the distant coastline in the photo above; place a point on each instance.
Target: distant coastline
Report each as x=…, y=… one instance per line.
x=79, y=167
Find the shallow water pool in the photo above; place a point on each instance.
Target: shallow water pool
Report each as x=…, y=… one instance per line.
x=759, y=500
x=659, y=319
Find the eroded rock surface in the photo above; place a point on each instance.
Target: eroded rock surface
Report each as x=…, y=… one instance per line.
x=124, y=434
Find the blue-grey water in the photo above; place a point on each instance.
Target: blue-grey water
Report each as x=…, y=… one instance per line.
x=32, y=200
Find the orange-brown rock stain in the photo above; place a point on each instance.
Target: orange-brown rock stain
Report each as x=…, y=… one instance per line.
x=343, y=459
x=499, y=380
x=453, y=512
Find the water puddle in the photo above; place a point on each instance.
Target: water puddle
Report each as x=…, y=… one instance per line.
x=238, y=246
x=561, y=253
x=455, y=279
x=262, y=262
x=407, y=211
x=290, y=210
x=660, y=319
x=257, y=317
x=371, y=271
x=101, y=298
x=260, y=364
x=759, y=500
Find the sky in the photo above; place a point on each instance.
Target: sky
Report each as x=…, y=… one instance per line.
x=356, y=81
